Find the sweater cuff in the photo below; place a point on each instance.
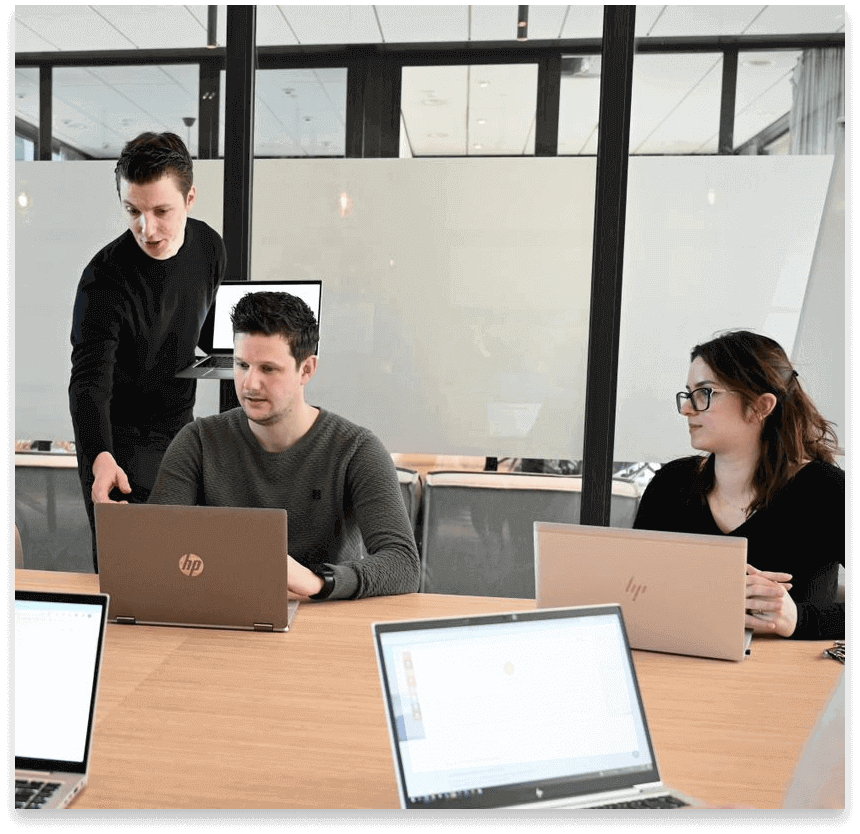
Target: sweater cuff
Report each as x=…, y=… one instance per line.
x=816, y=622
x=345, y=581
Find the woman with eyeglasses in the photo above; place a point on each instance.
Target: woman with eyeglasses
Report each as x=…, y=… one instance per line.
x=768, y=476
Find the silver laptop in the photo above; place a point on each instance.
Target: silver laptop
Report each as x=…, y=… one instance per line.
x=681, y=593
x=534, y=710
x=216, y=335
x=59, y=639
x=216, y=567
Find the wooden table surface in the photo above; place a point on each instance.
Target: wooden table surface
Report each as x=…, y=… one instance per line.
x=200, y=718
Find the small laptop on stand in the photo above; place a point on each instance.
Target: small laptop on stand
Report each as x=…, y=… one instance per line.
x=681, y=593
x=210, y=567
x=534, y=710
x=216, y=335
x=59, y=641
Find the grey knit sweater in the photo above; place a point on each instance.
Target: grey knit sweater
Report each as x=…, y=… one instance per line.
x=338, y=485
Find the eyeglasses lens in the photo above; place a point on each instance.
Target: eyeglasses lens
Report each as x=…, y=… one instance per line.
x=701, y=398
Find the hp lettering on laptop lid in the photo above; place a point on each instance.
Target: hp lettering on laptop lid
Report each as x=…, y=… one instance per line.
x=535, y=709
x=216, y=335
x=59, y=639
x=216, y=567
x=680, y=593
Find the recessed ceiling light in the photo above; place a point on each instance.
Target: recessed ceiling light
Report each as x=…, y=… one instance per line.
x=759, y=62
x=433, y=102
x=483, y=83
x=482, y=121
x=477, y=146
x=437, y=135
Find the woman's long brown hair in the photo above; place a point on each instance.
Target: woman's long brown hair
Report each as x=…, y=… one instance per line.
x=751, y=365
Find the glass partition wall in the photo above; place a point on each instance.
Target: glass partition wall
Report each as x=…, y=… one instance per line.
x=457, y=284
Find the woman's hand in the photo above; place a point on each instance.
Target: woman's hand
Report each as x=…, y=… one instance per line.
x=770, y=609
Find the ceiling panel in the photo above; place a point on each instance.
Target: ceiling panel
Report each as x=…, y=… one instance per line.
x=667, y=89
x=408, y=24
x=320, y=24
x=579, y=22
x=68, y=28
x=791, y=20
x=697, y=21
x=173, y=27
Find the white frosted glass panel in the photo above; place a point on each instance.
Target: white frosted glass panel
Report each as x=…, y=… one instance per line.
x=455, y=295
x=456, y=292
x=712, y=244
x=55, y=237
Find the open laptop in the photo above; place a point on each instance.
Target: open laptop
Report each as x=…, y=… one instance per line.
x=215, y=567
x=59, y=638
x=216, y=335
x=680, y=593
x=534, y=710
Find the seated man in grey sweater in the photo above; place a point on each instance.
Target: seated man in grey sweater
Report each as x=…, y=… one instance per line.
x=349, y=534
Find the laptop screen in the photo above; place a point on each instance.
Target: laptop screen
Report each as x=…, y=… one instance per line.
x=231, y=291
x=508, y=709
x=58, y=640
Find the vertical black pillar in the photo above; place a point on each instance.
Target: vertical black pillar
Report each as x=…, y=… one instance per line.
x=548, y=96
x=381, y=107
x=607, y=262
x=46, y=110
x=356, y=74
x=727, y=101
x=209, y=110
x=241, y=66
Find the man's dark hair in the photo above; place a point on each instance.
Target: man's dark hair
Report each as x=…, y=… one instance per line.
x=278, y=314
x=150, y=156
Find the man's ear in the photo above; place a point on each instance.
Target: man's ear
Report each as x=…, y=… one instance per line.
x=309, y=368
x=191, y=198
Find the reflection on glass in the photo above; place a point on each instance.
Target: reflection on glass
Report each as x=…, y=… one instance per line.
x=26, y=112
x=818, y=103
x=96, y=110
x=300, y=113
x=676, y=103
x=486, y=110
x=579, y=105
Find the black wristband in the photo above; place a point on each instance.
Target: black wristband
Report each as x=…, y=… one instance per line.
x=327, y=575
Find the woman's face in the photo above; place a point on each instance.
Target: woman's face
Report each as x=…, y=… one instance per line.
x=725, y=426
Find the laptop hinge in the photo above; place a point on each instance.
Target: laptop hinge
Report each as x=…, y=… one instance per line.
x=126, y=620
x=263, y=627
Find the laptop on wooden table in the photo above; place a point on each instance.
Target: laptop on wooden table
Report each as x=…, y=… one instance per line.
x=534, y=710
x=59, y=640
x=211, y=567
x=681, y=593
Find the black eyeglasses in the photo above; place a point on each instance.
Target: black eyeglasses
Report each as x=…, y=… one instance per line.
x=700, y=399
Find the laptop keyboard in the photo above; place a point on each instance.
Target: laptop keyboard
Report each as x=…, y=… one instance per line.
x=217, y=361
x=30, y=793
x=666, y=801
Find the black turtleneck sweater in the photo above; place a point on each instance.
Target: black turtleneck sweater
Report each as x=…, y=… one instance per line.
x=136, y=322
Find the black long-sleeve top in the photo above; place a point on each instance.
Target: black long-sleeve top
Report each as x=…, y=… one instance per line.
x=136, y=322
x=801, y=532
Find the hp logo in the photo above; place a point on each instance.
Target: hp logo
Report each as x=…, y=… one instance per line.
x=634, y=590
x=191, y=565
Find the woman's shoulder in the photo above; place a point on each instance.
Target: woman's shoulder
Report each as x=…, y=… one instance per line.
x=682, y=476
x=681, y=468
x=819, y=475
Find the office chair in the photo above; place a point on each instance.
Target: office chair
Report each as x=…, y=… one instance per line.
x=477, y=529
x=50, y=513
x=410, y=487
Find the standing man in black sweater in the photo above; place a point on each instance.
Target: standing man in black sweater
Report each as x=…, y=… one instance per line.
x=139, y=308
